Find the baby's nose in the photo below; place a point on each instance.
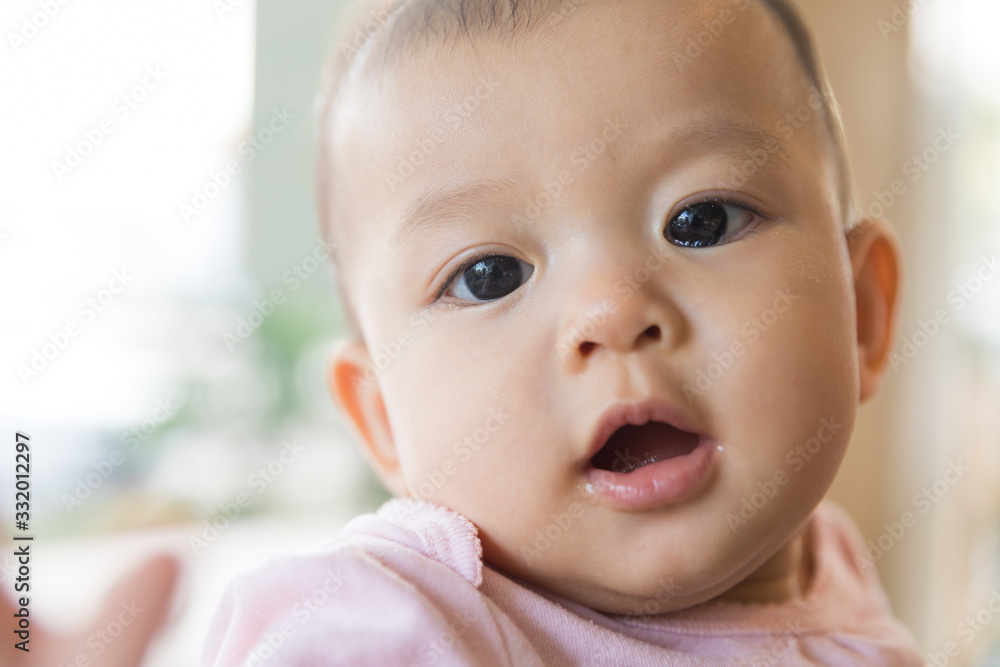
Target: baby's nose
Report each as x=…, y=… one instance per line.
x=617, y=317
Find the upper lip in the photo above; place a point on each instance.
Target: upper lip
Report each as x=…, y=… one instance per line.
x=638, y=413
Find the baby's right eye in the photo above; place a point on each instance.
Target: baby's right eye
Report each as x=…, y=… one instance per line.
x=488, y=278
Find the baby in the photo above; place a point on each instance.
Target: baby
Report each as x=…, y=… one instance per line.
x=613, y=316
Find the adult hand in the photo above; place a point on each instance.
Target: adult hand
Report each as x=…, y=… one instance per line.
x=119, y=633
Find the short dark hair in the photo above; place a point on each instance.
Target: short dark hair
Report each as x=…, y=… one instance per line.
x=404, y=24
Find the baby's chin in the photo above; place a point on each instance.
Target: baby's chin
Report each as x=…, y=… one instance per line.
x=622, y=582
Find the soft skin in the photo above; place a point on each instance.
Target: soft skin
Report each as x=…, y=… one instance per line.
x=452, y=361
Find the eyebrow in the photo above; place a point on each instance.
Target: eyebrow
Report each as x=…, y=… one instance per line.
x=439, y=204
x=726, y=136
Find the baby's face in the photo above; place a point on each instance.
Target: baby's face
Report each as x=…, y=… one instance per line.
x=587, y=227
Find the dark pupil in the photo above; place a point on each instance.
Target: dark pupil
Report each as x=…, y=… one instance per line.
x=699, y=226
x=493, y=277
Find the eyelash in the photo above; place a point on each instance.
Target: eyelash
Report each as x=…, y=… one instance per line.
x=720, y=200
x=487, y=254
x=463, y=268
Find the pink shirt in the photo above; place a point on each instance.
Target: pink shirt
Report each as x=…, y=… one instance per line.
x=408, y=586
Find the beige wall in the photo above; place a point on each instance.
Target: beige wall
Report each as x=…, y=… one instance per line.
x=867, y=74
x=937, y=408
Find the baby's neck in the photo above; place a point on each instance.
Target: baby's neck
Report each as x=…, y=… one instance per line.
x=783, y=578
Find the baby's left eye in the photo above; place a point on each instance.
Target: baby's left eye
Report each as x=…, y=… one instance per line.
x=707, y=223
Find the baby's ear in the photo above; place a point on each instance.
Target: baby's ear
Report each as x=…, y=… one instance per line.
x=353, y=385
x=877, y=265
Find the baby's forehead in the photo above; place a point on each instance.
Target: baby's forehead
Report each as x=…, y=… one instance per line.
x=727, y=56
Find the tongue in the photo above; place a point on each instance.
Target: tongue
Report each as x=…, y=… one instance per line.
x=632, y=447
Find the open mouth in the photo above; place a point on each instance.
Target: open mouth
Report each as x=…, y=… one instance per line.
x=632, y=447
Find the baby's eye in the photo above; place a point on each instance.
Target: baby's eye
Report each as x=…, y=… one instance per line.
x=707, y=223
x=489, y=278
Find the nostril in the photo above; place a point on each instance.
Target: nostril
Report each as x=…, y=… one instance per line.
x=586, y=347
x=653, y=332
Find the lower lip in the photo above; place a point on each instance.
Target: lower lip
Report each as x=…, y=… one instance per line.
x=656, y=484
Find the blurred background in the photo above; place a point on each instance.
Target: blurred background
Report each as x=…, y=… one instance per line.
x=167, y=308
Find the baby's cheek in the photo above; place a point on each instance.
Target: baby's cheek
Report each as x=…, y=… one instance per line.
x=501, y=468
x=449, y=465
x=788, y=411
x=482, y=457
x=446, y=420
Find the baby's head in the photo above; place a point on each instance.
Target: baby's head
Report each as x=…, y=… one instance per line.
x=555, y=218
